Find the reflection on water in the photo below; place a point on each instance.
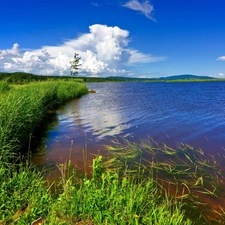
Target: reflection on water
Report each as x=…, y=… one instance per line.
x=192, y=113
x=170, y=113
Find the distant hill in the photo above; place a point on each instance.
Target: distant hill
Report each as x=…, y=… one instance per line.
x=185, y=77
x=21, y=78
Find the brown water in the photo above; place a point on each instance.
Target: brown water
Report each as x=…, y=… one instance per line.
x=170, y=113
x=192, y=113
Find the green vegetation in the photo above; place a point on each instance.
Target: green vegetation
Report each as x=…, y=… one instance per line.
x=123, y=189
x=186, y=173
x=4, y=87
x=24, y=78
x=23, y=109
x=178, y=78
x=105, y=198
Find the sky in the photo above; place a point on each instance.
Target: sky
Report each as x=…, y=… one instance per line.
x=134, y=38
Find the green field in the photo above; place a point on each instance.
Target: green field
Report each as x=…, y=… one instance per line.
x=123, y=188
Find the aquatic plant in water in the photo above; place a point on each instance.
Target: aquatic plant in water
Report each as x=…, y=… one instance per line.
x=186, y=173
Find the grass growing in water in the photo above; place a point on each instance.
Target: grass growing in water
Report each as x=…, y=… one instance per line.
x=185, y=173
x=105, y=198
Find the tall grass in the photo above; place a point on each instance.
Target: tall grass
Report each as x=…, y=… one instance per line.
x=107, y=198
x=23, y=195
x=4, y=87
x=24, y=108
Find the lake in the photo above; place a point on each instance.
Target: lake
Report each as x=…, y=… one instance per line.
x=170, y=113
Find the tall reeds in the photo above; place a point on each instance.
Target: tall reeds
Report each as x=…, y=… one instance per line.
x=24, y=196
x=24, y=108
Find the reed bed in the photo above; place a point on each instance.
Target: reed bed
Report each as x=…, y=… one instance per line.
x=24, y=108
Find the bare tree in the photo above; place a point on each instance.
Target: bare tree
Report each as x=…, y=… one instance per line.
x=74, y=65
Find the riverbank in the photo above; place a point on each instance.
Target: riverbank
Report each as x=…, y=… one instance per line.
x=24, y=78
x=23, y=110
x=120, y=191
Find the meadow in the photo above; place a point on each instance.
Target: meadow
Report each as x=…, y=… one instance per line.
x=123, y=188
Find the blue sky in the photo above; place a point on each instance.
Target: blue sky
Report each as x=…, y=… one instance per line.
x=113, y=37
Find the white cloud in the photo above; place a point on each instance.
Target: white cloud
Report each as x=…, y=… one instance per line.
x=137, y=57
x=221, y=74
x=103, y=51
x=145, y=8
x=221, y=58
x=14, y=51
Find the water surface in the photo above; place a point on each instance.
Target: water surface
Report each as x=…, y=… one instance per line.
x=192, y=113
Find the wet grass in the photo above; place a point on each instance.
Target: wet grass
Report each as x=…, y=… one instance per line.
x=186, y=173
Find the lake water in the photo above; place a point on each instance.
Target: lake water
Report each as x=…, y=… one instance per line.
x=192, y=113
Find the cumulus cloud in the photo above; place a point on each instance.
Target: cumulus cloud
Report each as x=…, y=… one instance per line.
x=104, y=50
x=145, y=7
x=221, y=58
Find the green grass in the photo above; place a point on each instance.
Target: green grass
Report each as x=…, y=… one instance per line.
x=4, y=87
x=123, y=189
x=24, y=108
x=185, y=173
x=23, y=195
x=106, y=198
x=25, y=78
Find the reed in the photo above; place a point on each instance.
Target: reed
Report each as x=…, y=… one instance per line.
x=24, y=108
x=108, y=198
x=186, y=173
x=24, y=195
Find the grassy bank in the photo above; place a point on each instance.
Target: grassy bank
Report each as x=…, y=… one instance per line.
x=24, y=108
x=104, y=199
x=123, y=188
